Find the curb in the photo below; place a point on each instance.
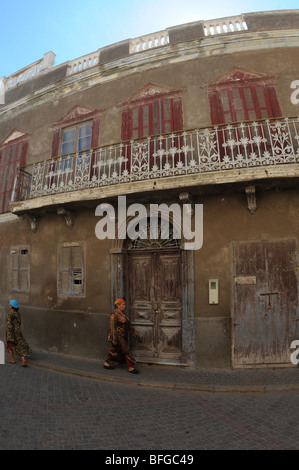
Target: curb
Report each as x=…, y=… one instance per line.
x=169, y=385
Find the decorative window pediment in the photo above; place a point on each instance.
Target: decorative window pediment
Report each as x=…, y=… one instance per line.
x=151, y=110
x=242, y=95
x=240, y=75
x=15, y=134
x=76, y=114
x=151, y=91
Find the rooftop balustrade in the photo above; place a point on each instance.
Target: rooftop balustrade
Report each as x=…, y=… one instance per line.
x=30, y=71
x=224, y=25
x=252, y=22
x=136, y=45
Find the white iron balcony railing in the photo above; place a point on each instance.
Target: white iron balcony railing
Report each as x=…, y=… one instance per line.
x=214, y=149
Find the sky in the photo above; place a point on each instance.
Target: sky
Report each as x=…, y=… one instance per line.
x=73, y=28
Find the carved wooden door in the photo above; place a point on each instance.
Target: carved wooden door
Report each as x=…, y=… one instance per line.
x=265, y=302
x=155, y=294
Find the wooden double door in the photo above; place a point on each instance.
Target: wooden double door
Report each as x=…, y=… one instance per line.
x=155, y=294
x=265, y=302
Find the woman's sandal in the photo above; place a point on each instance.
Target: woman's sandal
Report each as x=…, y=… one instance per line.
x=108, y=367
x=134, y=371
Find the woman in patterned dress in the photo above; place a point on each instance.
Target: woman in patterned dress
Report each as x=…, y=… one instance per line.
x=16, y=342
x=119, y=351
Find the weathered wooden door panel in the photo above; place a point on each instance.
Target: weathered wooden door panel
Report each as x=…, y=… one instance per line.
x=169, y=319
x=156, y=306
x=265, y=302
x=141, y=274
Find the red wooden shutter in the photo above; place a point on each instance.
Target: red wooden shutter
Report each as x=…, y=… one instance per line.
x=94, y=143
x=273, y=99
x=251, y=108
x=95, y=133
x=166, y=116
x=55, y=143
x=215, y=108
x=125, y=125
x=12, y=157
x=5, y=157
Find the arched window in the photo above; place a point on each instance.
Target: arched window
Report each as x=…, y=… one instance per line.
x=166, y=236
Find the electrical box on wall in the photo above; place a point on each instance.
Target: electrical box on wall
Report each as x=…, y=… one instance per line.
x=213, y=291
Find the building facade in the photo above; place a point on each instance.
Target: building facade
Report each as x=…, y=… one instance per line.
x=198, y=121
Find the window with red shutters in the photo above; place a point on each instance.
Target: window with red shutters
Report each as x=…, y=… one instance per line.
x=246, y=103
x=76, y=138
x=153, y=111
x=13, y=154
x=242, y=96
x=77, y=130
x=152, y=118
x=76, y=133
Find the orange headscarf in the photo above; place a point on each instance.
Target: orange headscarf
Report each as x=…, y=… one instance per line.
x=119, y=301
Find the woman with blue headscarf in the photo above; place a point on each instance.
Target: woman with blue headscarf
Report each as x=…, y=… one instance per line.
x=16, y=342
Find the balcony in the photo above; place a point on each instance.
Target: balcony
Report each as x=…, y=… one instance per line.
x=239, y=152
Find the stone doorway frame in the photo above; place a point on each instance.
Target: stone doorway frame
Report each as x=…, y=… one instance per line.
x=118, y=288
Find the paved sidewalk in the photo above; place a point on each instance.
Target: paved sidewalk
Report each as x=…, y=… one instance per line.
x=171, y=377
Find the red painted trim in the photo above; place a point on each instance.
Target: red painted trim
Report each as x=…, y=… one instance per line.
x=218, y=114
x=95, y=133
x=126, y=130
x=143, y=129
x=12, y=156
x=273, y=99
x=76, y=115
x=55, y=143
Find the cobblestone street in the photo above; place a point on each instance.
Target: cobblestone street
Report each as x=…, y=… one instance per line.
x=44, y=409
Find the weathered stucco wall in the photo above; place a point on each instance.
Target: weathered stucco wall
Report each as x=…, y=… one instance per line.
x=194, y=68
x=52, y=321
x=227, y=220
x=78, y=325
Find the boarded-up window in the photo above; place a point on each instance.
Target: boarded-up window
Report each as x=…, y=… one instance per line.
x=71, y=270
x=19, y=269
